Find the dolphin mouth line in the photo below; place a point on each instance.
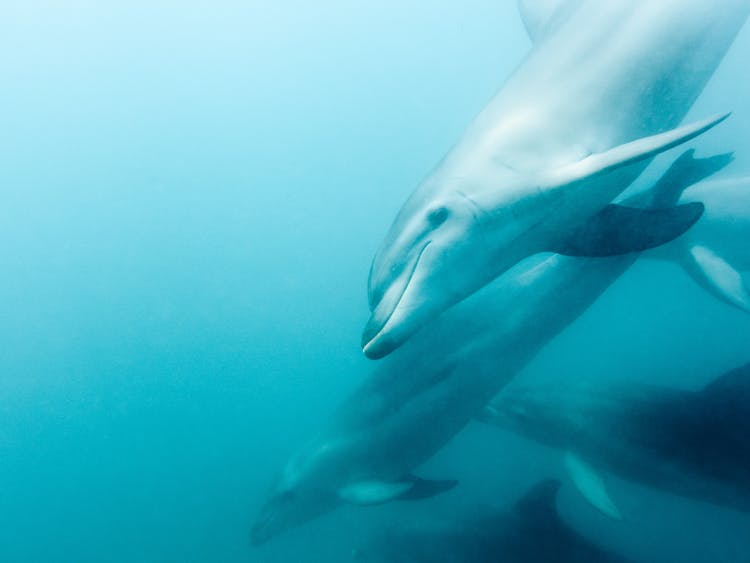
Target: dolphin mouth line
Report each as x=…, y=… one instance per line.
x=401, y=297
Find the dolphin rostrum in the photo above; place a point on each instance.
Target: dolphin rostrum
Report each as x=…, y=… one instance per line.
x=531, y=531
x=601, y=92
x=420, y=397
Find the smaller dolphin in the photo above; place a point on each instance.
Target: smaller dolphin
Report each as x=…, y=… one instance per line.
x=692, y=443
x=531, y=531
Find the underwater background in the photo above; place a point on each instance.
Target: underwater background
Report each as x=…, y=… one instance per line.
x=192, y=194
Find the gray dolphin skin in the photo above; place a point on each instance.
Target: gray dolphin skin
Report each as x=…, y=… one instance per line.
x=572, y=127
x=420, y=397
x=691, y=443
x=531, y=531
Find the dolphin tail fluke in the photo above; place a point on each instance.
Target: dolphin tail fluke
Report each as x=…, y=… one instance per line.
x=717, y=276
x=685, y=171
x=590, y=485
x=618, y=229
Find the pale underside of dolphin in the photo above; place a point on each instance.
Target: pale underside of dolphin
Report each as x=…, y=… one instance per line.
x=420, y=397
x=692, y=443
x=600, y=93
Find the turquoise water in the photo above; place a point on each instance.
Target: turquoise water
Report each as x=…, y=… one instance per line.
x=193, y=193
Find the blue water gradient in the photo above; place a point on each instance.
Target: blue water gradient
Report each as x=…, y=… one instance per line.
x=192, y=193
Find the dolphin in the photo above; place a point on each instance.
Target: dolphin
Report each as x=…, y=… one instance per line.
x=531, y=531
x=601, y=92
x=691, y=443
x=714, y=252
x=416, y=400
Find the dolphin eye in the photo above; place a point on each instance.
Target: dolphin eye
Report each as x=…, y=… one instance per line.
x=437, y=216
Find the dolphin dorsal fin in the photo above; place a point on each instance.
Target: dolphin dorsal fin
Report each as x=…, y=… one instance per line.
x=542, y=16
x=683, y=173
x=734, y=383
x=724, y=404
x=540, y=500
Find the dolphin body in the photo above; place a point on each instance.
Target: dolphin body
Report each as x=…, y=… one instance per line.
x=598, y=95
x=692, y=443
x=531, y=531
x=420, y=397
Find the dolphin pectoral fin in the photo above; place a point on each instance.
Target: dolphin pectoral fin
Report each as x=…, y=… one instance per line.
x=629, y=153
x=618, y=230
x=733, y=385
x=426, y=488
x=590, y=485
x=718, y=276
x=373, y=492
x=379, y=492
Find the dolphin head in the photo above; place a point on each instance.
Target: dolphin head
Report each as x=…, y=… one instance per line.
x=534, y=412
x=301, y=493
x=477, y=216
x=438, y=251
x=550, y=413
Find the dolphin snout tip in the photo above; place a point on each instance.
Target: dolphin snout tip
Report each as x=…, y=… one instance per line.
x=374, y=349
x=263, y=530
x=258, y=535
x=374, y=344
x=257, y=538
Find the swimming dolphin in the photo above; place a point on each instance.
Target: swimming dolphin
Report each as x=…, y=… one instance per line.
x=531, y=531
x=420, y=397
x=692, y=443
x=600, y=93
x=715, y=251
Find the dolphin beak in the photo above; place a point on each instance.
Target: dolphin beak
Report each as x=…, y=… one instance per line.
x=259, y=535
x=376, y=337
x=375, y=342
x=265, y=527
x=380, y=337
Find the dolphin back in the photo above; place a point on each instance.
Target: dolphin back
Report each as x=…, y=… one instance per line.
x=725, y=406
x=731, y=391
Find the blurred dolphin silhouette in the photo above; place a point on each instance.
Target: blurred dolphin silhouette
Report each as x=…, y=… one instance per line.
x=692, y=443
x=531, y=531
